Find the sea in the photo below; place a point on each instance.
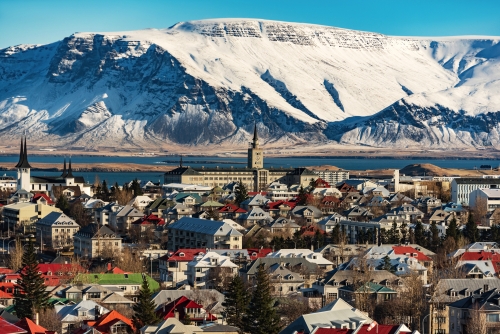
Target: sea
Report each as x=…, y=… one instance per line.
x=351, y=164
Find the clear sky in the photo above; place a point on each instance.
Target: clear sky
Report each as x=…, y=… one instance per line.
x=45, y=21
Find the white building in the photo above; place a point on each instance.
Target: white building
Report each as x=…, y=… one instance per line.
x=45, y=183
x=56, y=230
x=190, y=232
x=200, y=271
x=309, y=255
x=487, y=198
x=331, y=176
x=462, y=187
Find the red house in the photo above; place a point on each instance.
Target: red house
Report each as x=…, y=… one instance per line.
x=182, y=306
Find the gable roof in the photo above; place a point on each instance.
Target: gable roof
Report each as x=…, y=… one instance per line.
x=8, y=328
x=212, y=227
x=30, y=326
x=104, y=323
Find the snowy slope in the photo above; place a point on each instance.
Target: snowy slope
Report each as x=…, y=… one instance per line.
x=207, y=82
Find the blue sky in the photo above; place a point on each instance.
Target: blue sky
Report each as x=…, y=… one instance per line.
x=45, y=21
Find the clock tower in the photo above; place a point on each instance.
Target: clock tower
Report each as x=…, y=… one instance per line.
x=255, y=154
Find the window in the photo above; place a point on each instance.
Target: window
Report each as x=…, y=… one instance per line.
x=493, y=318
x=123, y=288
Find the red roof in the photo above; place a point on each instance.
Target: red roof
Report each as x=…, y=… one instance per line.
x=186, y=255
x=180, y=305
x=8, y=328
x=149, y=220
x=330, y=199
x=117, y=270
x=320, y=183
x=36, y=197
x=402, y=250
x=59, y=267
x=232, y=208
x=310, y=231
x=276, y=205
x=382, y=329
x=104, y=323
x=30, y=326
x=256, y=253
x=253, y=193
x=6, y=271
x=483, y=256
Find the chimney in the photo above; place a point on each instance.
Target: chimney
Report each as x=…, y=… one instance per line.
x=96, y=312
x=486, y=287
x=36, y=318
x=176, y=314
x=109, y=266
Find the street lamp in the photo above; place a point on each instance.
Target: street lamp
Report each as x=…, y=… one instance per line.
x=8, y=247
x=423, y=320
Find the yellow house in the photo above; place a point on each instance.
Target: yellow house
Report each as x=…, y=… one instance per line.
x=26, y=214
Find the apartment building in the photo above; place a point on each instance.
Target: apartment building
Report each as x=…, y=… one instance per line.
x=56, y=230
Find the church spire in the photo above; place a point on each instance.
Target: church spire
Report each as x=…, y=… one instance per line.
x=255, y=142
x=65, y=172
x=23, y=156
x=70, y=171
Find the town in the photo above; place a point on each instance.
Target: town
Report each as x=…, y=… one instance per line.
x=249, y=250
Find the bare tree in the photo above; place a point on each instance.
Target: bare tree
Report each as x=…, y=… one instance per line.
x=122, y=196
x=476, y=322
x=129, y=261
x=16, y=256
x=291, y=308
x=480, y=208
x=50, y=320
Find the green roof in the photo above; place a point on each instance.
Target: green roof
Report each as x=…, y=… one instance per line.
x=370, y=287
x=212, y=204
x=118, y=279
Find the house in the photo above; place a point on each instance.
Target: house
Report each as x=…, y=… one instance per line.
x=310, y=214
x=256, y=201
x=329, y=285
x=56, y=230
x=201, y=233
x=210, y=299
x=283, y=225
x=31, y=327
x=177, y=212
x=427, y=203
x=487, y=199
x=140, y=202
x=208, y=270
x=337, y=314
x=283, y=281
x=182, y=307
x=376, y=293
x=26, y=214
x=486, y=303
x=256, y=216
x=72, y=315
x=330, y=204
x=306, y=254
x=173, y=267
x=43, y=199
x=231, y=211
x=93, y=240
x=110, y=323
x=111, y=297
x=130, y=284
x=327, y=224
x=121, y=219
x=52, y=274
x=7, y=291
x=357, y=213
x=449, y=291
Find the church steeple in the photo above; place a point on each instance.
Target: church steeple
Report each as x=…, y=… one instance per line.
x=255, y=142
x=23, y=156
x=69, y=174
x=65, y=172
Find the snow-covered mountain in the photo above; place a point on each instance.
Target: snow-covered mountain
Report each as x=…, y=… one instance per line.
x=207, y=82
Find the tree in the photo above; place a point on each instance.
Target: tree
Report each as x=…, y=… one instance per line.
x=302, y=196
x=394, y=234
x=435, y=240
x=136, y=188
x=386, y=263
x=240, y=193
x=471, y=232
x=404, y=232
x=419, y=234
x=452, y=230
x=261, y=317
x=78, y=213
x=31, y=297
x=236, y=302
x=144, y=308
x=62, y=203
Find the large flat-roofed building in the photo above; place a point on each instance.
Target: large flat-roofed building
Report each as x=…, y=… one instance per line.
x=463, y=186
x=255, y=177
x=333, y=177
x=190, y=232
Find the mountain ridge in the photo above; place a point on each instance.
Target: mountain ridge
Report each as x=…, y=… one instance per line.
x=208, y=82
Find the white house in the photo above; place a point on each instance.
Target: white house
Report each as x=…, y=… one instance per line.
x=199, y=270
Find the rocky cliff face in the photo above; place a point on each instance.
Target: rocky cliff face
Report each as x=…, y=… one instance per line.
x=208, y=82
